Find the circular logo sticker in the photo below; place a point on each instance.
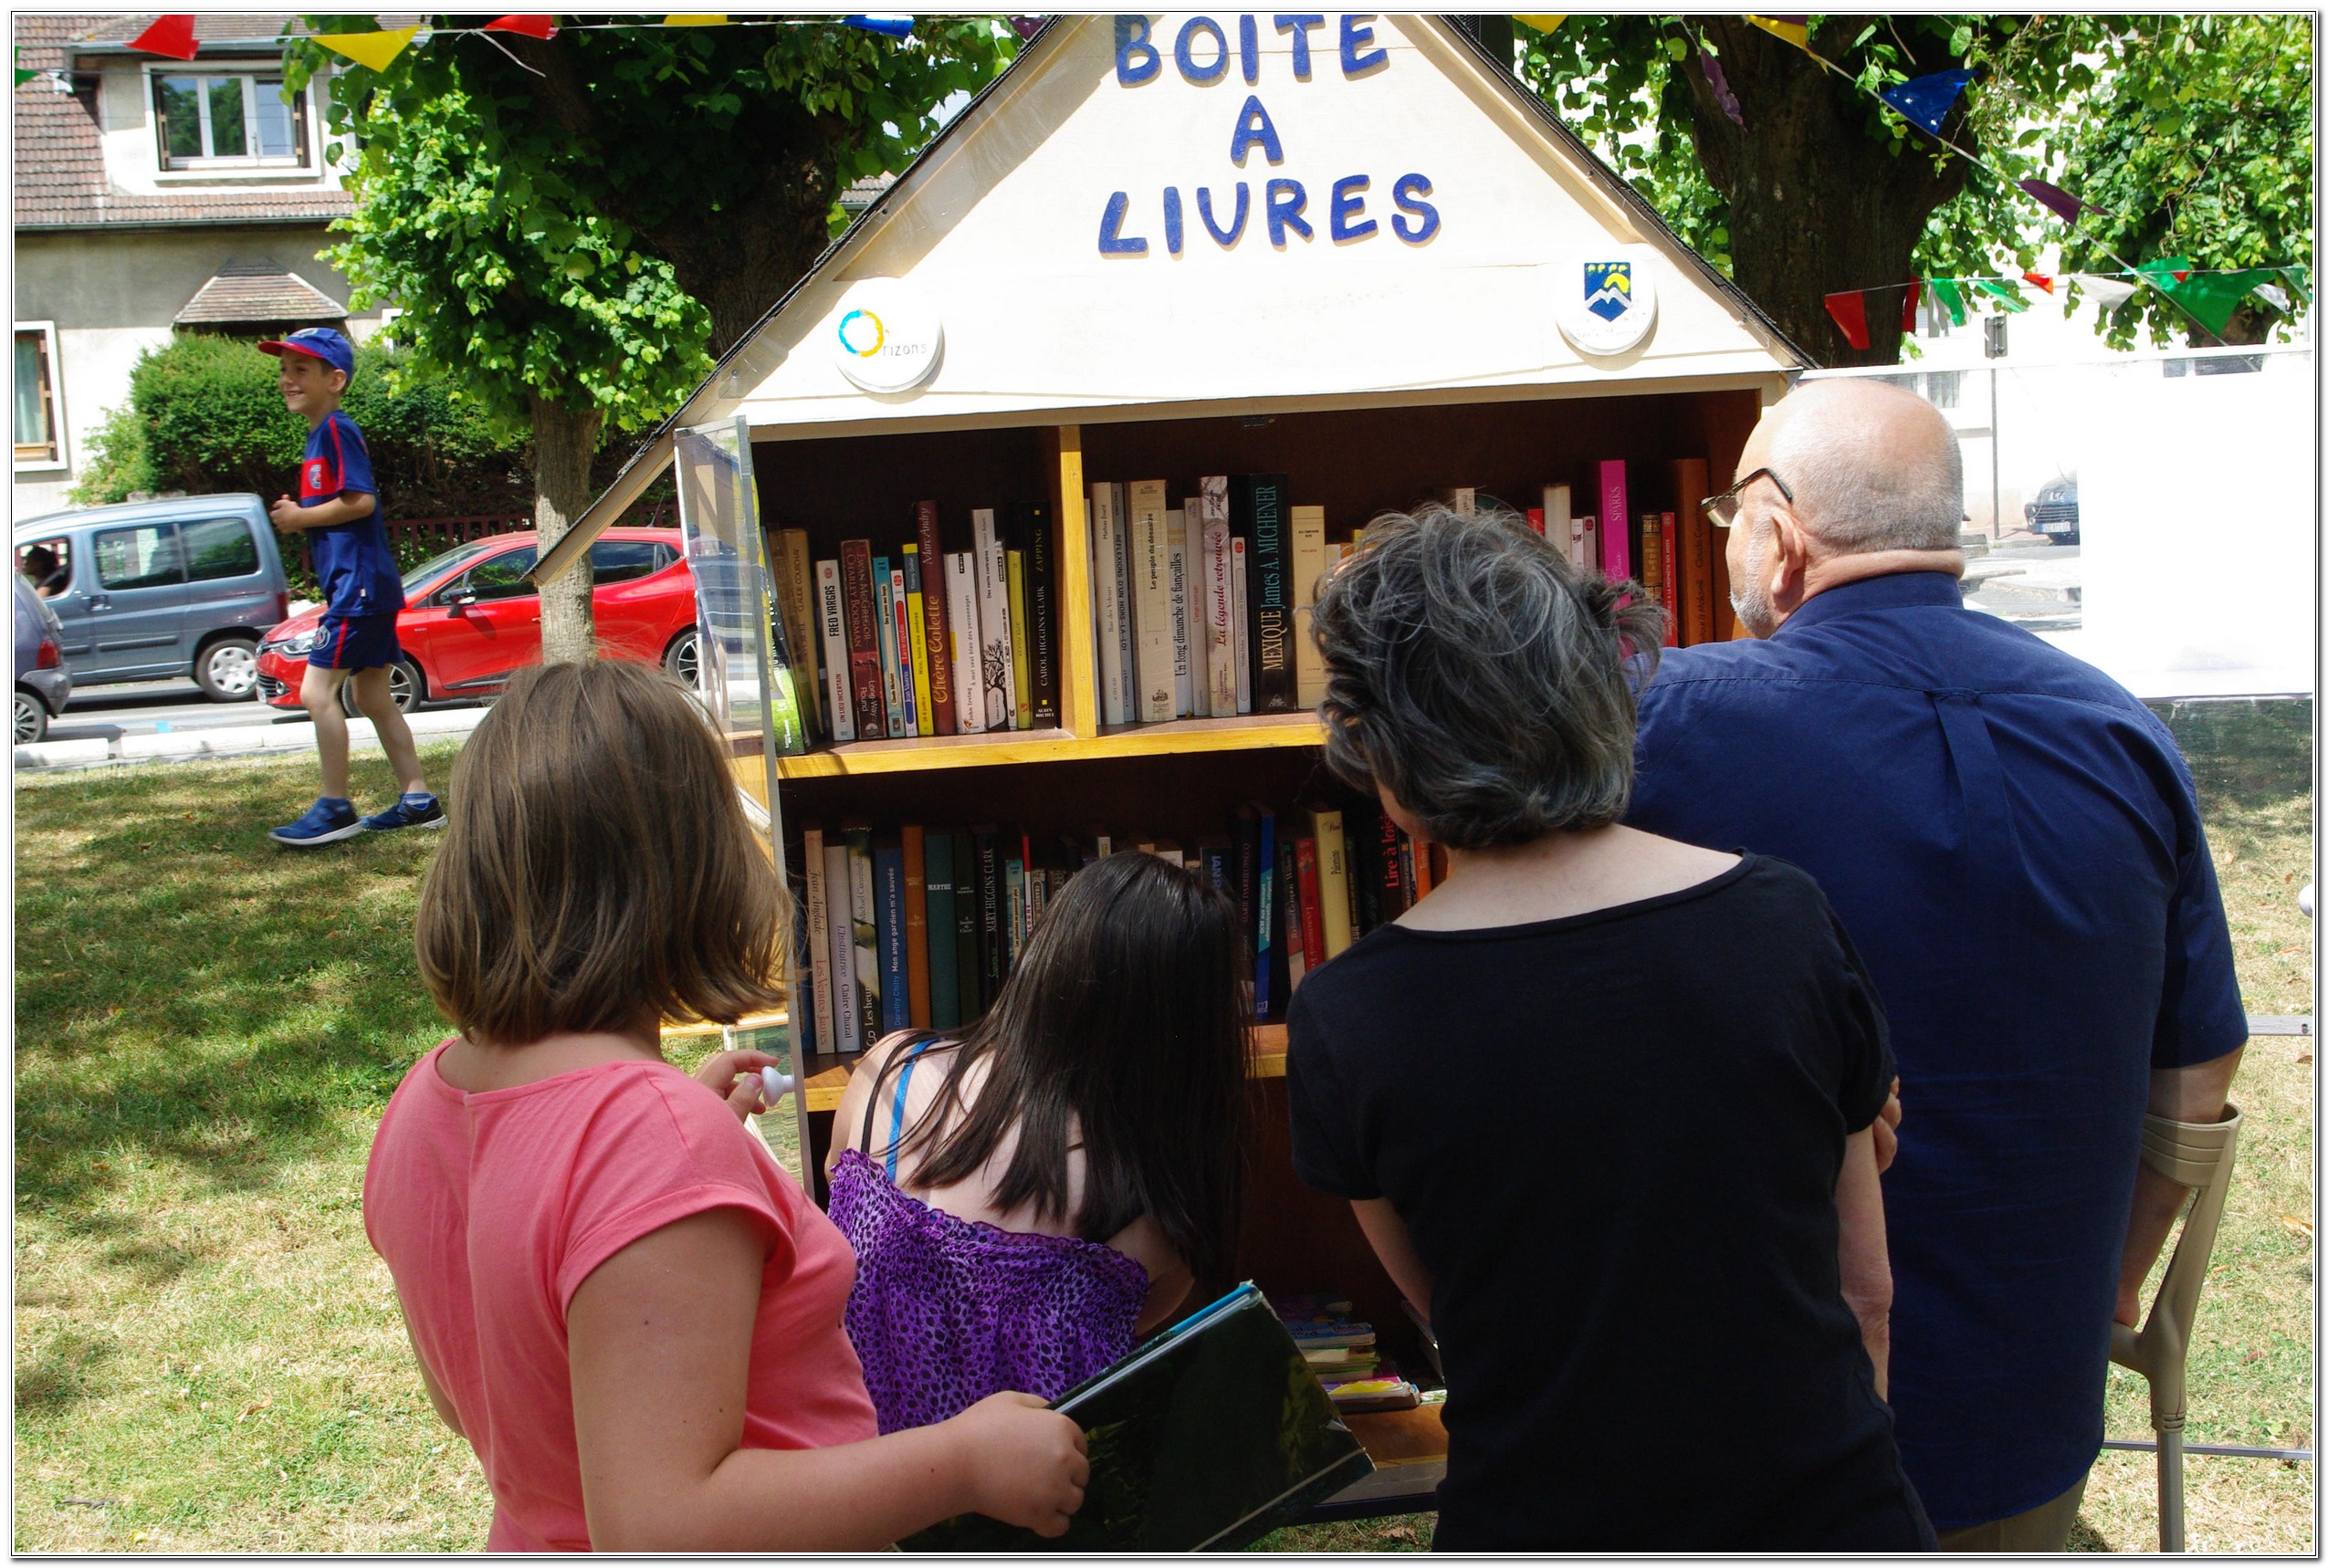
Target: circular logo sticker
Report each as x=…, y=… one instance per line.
x=886, y=339
x=1605, y=305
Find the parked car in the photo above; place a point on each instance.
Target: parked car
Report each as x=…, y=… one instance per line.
x=471, y=617
x=160, y=588
x=42, y=681
x=2054, y=513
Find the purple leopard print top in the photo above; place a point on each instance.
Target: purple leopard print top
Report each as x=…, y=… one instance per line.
x=947, y=1310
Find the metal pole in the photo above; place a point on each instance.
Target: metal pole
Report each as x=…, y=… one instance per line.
x=2170, y=1490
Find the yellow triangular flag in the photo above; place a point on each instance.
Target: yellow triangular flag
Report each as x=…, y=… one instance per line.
x=695, y=20
x=1544, y=24
x=377, y=50
x=1794, y=30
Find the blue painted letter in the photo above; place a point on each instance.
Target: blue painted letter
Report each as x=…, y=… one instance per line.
x=1249, y=50
x=1357, y=59
x=1299, y=25
x=1172, y=219
x=1253, y=126
x=1204, y=210
x=1408, y=194
x=1136, y=59
x=1287, y=199
x=1348, y=203
x=1111, y=229
x=1186, y=59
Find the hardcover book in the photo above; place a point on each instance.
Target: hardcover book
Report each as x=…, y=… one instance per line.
x=1312, y=902
x=1022, y=691
x=864, y=932
x=962, y=637
x=994, y=618
x=1257, y=516
x=817, y=935
x=1669, y=554
x=1289, y=913
x=1219, y=595
x=839, y=941
x=1105, y=608
x=968, y=980
x=1205, y=1438
x=864, y=640
x=936, y=618
x=1695, y=579
x=937, y=873
x=914, y=844
x=902, y=638
x=795, y=602
x=1152, y=593
x=993, y=948
x=918, y=639
x=1559, y=525
x=1334, y=892
x=1239, y=626
x=839, y=705
x=889, y=920
x=1652, y=564
x=1265, y=907
x=1176, y=563
x=1309, y=564
x=1616, y=554
x=884, y=643
x=1041, y=625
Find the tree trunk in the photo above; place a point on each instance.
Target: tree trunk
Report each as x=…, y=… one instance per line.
x=1816, y=205
x=563, y=441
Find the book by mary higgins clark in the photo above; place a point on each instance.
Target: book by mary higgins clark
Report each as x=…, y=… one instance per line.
x=1206, y=1437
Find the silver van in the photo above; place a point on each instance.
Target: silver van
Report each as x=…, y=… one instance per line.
x=157, y=589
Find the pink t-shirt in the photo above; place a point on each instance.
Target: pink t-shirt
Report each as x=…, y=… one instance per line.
x=490, y=1208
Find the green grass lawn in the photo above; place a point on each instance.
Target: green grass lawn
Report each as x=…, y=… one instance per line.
x=208, y=1356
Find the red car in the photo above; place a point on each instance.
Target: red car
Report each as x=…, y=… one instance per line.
x=471, y=617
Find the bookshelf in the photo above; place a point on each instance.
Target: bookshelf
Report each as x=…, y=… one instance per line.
x=1370, y=371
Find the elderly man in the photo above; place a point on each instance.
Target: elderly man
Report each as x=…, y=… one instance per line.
x=2013, y=844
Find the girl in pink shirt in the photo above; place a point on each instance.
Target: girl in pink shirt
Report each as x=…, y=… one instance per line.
x=623, y=1303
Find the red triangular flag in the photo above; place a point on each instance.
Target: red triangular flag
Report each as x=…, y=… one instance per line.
x=171, y=36
x=527, y=23
x=1907, y=305
x=2040, y=280
x=2184, y=275
x=1850, y=310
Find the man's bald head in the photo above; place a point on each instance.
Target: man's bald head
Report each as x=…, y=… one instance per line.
x=1872, y=467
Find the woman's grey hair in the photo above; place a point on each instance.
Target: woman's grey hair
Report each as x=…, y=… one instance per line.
x=1475, y=675
x=1872, y=467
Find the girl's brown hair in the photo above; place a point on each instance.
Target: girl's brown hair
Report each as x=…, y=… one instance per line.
x=597, y=872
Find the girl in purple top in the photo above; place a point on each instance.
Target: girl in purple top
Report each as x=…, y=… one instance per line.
x=1028, y=1197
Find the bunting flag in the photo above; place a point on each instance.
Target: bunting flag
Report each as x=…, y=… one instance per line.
x=1927, y=99
x=2007, y=294
x=1026, y=26
x=24, y=74
x=887, y=26
x=1950, y=293
x=2040, y=279
x=1850, y=310
x=2209, y=298
x=1720, y=86
x=2054, y=199
x=1907, y=306
x=1544, y=24
x=375, y=51
x=2299, y=282
x=2274, y=296
x=1796, y=30
x=2109, y=293
x=695, y=19
x=525, y=23
x=171, y=36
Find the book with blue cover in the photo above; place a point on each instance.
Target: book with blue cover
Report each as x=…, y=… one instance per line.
x=889, y=918
x=1205, y=1438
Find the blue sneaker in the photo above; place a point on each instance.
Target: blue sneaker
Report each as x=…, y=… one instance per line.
x=410, y=811
x=326, y=822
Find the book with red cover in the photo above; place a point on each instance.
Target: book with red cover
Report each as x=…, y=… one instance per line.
x=865, y=638
x=933, y=617
x=1313, y=913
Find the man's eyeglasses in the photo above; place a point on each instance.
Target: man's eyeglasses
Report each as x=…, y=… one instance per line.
x=1722, y=510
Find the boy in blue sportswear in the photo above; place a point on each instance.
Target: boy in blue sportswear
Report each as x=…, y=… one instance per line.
x=339, y=505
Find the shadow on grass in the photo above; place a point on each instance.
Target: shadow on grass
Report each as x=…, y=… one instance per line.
x=60, y=1373
x=2245, y=753
x=190, y=996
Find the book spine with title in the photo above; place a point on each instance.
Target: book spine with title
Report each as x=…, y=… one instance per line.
x=1105, y=607
x=1151, y=601
x=917, y=598
x=913, y=845
x=818, y=936
x=884, y=645
x=993, y=618
x=834, y=621
x=1669, y=551
x=864, y=640
x=1616, y=548
x=864, y=933
x=1219, y=595
x=1176, y=563
x=796, y=606
x=936, y=620
x=1310, y=565
x=1239, y=623
x=889, y=923
x=938, y=920
x=1041, y=626
x=1257, y=515
x=1333, y=890
x=840, y=943
x=1022, y=687
x=962, y=638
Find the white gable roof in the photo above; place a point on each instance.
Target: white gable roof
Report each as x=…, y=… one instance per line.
x=998, y=229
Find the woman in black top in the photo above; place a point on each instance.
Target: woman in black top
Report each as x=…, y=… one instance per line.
x=1604, y=1104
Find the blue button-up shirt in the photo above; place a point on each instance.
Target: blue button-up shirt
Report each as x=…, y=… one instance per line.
x=2013, y=844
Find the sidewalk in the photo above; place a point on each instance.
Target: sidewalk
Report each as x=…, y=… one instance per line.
x=238, y=740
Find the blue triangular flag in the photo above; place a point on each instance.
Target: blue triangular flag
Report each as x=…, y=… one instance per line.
x=1927, y=99
x=887, y=26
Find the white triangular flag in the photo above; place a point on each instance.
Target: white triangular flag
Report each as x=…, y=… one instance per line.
x=2109, y=293
x=2273, y=296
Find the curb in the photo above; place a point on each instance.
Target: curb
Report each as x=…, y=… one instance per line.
x=228, y=740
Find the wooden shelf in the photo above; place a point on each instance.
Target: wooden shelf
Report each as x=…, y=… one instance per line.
x=828, y=1076
x=1178, y=737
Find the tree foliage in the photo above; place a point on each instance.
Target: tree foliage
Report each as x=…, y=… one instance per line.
x=2193, y=132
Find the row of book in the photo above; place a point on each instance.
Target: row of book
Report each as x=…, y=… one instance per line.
x=920, y=928
x=918, y=641
x=1343, y=1353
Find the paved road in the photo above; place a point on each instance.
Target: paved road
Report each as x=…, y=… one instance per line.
x=149, y=707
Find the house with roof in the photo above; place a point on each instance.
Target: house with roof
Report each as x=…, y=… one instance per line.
x=155, y=196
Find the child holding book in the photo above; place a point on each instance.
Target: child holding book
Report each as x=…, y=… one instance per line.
x=615, y=1294
x=1026, y=1198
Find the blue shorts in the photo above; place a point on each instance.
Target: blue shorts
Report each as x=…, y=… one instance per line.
x=356, y=643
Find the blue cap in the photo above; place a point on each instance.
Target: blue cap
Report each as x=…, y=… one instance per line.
x=325, y=343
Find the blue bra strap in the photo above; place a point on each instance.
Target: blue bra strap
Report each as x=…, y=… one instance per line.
x=897, y=1109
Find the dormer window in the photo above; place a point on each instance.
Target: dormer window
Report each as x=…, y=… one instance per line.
x=229, y=120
